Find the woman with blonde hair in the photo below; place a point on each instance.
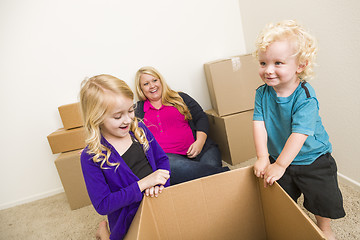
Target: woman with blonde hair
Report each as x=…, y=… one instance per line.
x=180, y=126
x=122, y=159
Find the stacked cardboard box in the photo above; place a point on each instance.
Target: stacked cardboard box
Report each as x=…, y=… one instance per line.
x=69, y=169
x=69, y=141
x=72, y=135
x=64, y=140
x=232, y=85
x=71, y=115
x=231, y=205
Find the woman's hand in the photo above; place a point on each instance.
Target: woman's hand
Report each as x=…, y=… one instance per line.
x=159, y=177
x=196, y=148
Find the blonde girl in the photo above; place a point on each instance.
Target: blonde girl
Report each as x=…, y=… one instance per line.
x=122, y=158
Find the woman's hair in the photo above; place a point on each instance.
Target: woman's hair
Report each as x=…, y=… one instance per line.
x=97, y=96
x=304, y=44
x=169, y=97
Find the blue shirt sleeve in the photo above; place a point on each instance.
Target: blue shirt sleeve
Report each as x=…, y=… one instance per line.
x=305, y=117
x=258, y=112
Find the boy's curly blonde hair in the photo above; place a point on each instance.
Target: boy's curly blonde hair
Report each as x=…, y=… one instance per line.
x=305, y=45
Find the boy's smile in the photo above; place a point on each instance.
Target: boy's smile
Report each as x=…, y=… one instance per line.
x=279, y=67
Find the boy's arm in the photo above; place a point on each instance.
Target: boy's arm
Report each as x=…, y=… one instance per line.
x=260, y=139
x=292, y=147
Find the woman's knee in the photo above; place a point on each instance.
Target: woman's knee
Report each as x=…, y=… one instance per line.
x=212, y=157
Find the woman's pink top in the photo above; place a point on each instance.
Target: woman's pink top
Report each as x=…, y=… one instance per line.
x=169, y=127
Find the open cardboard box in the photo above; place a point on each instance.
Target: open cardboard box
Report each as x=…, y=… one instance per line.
x=230, y=205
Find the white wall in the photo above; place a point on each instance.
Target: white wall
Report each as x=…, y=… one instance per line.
x=47, y=47
x=336, y=25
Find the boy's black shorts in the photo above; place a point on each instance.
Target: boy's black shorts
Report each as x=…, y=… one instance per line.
x=318, y=182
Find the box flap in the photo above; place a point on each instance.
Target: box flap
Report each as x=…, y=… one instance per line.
x=143, y=225
x=284, y=218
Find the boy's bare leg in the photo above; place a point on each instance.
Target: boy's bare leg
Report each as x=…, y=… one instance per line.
x=324, y=224
x=103, y=232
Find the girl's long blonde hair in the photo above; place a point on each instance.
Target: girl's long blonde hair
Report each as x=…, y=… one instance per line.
x=305, y=44
x=169, y=97
x=96, y=99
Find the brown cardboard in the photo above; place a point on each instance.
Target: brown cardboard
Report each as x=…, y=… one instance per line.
x=63, y=140
x=234, y=135
x=231, y=205
x=69, y=169
x=232, y=84
x=71, y=115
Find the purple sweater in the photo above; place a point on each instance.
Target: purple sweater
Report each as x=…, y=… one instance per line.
x=116, y=193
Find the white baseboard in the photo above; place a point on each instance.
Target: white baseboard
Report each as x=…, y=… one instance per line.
x=31, y=198
x=349, y=181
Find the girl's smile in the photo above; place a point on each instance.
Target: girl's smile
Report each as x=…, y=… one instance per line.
x=118, y=119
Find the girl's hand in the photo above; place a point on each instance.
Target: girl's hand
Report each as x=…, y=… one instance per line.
x=154, y=191
x=273, y=173
x=159, y=177
x=260, y=166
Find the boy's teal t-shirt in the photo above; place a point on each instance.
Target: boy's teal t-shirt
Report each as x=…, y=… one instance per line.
x=298, y=113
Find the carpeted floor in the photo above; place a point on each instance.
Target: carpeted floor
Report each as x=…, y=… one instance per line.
x=51, y=218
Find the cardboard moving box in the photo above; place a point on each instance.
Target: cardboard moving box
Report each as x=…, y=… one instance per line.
x=63, y=140
x=69, y=169
x=234, y=135
x=232, y=83
x=231, y=205
x=71, y=115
